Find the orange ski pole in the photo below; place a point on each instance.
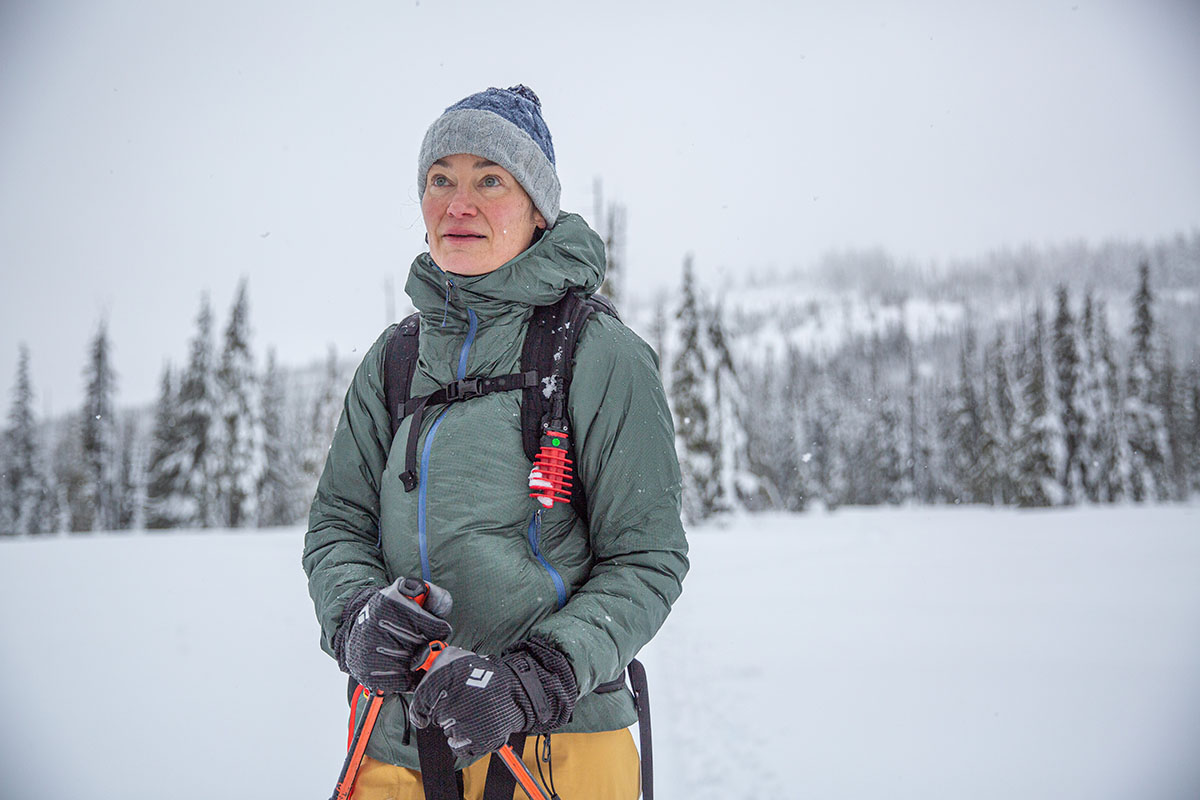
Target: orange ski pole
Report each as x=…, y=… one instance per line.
x=357, y=749
x=362, y=732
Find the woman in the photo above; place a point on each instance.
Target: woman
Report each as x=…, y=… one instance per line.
x=546, y=606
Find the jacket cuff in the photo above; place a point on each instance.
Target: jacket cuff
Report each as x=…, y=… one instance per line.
x=357, y=601
x=547, y=678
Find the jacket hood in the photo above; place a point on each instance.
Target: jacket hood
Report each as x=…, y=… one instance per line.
x=569, y=256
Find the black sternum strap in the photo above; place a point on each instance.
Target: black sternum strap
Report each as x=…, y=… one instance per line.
x=463, y=389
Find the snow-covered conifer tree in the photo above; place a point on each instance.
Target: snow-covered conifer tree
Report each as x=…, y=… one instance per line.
x=945, y=485
x=69, y=478
x=892, y=454
x=169, y=503
x=240, y=460
x=1040, y=437
x=8, y=526
x=691, y=402
x=964, y=437
x=658, y=335
x=1143, y=416
x=770, y=444
x=322, y=420
x=99, y=508
x=1069, y=388
x=27, y=506
x=132, y=480
x=999, y=417
x=1089, y=405
x=279, y=502
x=1193, y=459
x=737, y=485
x=610, y=224
x=826, y=452
x=919, y=428
x=1112, y=446
x=795, y=462
x=199, y=430
x=1171, y=398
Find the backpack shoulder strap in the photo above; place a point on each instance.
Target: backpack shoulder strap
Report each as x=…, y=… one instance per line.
x=399, y=364
x=549, y=350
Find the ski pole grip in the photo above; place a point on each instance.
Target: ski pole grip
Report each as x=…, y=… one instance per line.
x=415, y=590
x=432, y=651
x=418, y=592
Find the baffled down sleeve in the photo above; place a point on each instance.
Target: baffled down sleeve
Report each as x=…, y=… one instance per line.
x=341, y=547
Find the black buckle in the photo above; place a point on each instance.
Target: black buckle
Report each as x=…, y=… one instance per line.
x=461, y=390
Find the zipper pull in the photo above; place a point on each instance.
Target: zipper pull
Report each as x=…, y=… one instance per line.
x=446, y=304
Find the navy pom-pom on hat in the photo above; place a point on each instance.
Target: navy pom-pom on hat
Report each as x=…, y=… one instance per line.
x=501, y=125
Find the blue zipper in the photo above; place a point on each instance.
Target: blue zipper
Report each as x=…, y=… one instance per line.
x=422, y=543
x=535, y=532
x=462, y=357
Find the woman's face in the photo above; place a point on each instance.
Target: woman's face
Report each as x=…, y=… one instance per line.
x=478, y=217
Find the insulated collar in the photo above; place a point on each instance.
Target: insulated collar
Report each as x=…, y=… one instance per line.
x=569, y=256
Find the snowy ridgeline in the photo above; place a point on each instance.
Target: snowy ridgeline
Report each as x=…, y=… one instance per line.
x=917, y=653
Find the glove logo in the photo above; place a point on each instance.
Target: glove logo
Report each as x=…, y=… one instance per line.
x=363, y=615
x=480, y=677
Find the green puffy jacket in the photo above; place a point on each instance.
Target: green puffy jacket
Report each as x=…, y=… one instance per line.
x=598, y=591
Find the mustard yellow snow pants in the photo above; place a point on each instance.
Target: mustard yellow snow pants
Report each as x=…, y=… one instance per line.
x=587, y=766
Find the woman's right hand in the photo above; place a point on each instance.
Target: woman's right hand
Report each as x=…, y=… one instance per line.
x=386, y=628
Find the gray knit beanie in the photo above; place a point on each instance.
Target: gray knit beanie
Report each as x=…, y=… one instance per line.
x=501, y=125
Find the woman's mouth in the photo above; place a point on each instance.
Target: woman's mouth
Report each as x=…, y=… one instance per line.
x=462, y=236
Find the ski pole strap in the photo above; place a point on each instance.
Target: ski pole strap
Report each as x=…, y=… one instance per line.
x=437, y=765
x=500, y=782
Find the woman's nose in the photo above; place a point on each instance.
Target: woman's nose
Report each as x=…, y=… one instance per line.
x=461, y=204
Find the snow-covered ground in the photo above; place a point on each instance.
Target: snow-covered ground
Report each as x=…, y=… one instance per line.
x=916, y=653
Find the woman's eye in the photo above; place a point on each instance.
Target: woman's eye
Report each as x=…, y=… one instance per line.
x=439, y=180
x=491, y=181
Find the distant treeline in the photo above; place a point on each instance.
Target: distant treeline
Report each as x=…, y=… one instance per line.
x=228, y=446
x=1049, y=411
x=1054, y=409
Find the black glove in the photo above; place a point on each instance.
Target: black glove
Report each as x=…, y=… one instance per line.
x=479, y=702
x=384, y=629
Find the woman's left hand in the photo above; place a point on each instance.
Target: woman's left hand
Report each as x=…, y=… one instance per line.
x=479, y=702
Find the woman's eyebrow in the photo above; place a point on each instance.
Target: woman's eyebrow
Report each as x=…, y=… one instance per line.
x=483, y=163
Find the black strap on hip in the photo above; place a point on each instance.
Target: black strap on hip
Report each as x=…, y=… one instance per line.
x=442, y=782
x=438, y=776
x=641, y=701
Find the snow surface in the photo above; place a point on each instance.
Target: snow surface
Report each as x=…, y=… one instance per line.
x=913, y=653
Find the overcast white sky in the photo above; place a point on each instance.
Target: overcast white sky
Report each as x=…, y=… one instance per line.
x=153, y=151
